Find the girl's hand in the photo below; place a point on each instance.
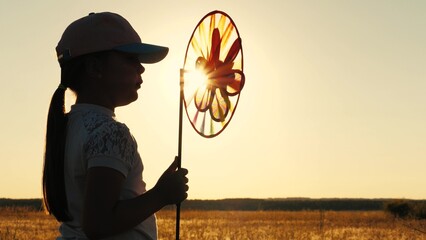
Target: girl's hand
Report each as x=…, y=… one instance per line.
x=172, y=185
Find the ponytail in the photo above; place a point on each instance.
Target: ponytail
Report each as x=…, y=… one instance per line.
x=54, y=195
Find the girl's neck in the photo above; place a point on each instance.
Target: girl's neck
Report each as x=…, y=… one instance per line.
x=95, y=101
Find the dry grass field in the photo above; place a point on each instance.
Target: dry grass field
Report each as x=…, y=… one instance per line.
x=21, y=223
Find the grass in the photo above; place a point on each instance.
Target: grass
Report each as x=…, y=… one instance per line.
x=23, y=223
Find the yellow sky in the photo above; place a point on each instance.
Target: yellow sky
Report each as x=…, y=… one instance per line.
x=334, y=103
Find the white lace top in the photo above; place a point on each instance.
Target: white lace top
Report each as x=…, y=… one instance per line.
x=95, y=138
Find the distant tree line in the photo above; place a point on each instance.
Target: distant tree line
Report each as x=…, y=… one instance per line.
x=399, y=208
x=33, y=204
x=286, y=204
x=407, y=209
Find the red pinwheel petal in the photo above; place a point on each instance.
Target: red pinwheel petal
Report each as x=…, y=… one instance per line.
x=200, y=63
x=233, y=51
x=236, y=85
x=215, y=49
x=203, y=99
x=220, y=106
x=221, y=70
x=232, y=80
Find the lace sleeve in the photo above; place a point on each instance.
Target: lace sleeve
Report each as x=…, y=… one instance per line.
x=111, y=145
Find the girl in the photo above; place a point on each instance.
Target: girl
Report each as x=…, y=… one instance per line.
x=92, y=178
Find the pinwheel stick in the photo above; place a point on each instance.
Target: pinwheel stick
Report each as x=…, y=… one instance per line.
x=213, y=71
x=181, y=82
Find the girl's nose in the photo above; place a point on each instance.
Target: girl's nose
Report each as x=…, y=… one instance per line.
x=141, y=69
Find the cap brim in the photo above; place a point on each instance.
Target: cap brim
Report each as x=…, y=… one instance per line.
x=148, y=53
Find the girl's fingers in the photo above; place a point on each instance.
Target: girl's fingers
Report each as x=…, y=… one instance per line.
x=174, y=165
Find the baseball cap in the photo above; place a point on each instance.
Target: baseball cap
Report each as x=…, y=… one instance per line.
x=105, y=31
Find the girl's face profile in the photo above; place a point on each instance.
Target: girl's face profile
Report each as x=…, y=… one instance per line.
x=121, y=77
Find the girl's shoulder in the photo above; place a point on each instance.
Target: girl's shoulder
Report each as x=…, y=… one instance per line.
x=95, y=118
x=108, y=137
x=93, y=121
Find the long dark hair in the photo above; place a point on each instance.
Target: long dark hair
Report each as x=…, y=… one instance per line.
x=73, y=72
x=54, y=194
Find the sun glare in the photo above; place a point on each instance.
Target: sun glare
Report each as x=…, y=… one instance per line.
x=193, y=80
x=70, y=98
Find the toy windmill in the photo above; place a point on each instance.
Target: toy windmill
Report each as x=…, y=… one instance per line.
x=211, y=78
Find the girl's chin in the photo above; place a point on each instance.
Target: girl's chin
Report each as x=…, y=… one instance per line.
x=129, y=100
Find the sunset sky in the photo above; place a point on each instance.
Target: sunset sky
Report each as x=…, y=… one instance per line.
x=334, y=103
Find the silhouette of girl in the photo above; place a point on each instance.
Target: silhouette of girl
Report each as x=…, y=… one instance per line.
x=92, y=177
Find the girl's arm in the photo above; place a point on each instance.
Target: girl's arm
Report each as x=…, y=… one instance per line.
x=105, y=215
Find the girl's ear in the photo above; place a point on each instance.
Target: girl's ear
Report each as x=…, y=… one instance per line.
x=94, y=67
